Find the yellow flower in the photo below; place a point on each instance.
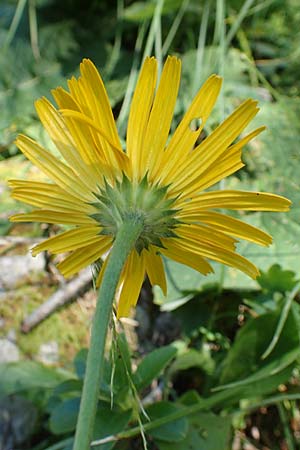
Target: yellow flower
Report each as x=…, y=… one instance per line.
x=95, y=186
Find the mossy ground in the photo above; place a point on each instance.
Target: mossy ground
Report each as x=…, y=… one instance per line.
x=69, y=326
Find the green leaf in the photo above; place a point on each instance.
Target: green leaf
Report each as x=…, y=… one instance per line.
x=277, y=279
x=206, y=431
x=152, y=365
x=184, y=283
x=274, y=170
x=170, y=432
x=68, y=387
x=244, y=366
x=64, y=416
x=5, y=226
x=80, y=362
x=268, y=169
x=193, y=358
x=109, y=422
x=65, y=444
x=123, y=348
x=25, y=375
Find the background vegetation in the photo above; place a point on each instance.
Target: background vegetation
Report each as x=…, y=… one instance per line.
x=224, y=345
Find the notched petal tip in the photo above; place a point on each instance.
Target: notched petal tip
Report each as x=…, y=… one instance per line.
x=36, y=250
x=217, y=79
x=287, y=204
x=12, y=183
x=17, y=218
x=20, y=140
x=86, y=62
x=173, y=61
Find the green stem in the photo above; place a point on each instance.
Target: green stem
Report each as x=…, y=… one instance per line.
x=204, y=404
x=15, y=23
x=286, y=426
x=124, y=243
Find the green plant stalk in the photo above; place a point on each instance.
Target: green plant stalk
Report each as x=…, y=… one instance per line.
x=33, y=29
x=125, y=240
x=286, y=426
x=15, y=23
x=205, y=404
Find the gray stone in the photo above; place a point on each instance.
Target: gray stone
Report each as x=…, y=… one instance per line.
x=14, y=268
x=9, y=352
x=12, y=335
x=48, y=353
x=18, y=419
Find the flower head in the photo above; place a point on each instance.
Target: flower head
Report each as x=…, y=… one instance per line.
x=95, y=186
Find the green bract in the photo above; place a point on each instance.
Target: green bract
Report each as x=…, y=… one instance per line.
x=142, y=201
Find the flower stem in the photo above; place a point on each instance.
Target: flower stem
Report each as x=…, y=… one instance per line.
x=126, y=237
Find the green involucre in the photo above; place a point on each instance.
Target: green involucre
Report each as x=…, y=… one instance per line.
x=142, y=201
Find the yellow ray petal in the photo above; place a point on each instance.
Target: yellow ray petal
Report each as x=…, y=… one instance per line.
x=48, y=216
x=200, y=233
x=64, y=100
x=115, y=156
x=56, y=170
x=229, y=225
x=69, y=240
x=98, y=102
x=86, y=145
x=220, y=254
x=227, y=164
x=85, y=256
x=176, y=251
x=76, y=93
x=184, y=137
x=237, y=200
x=85, y=140
x=213, y=147
x=161, y=116
x=56, y=128
x=155, y=269
x=139, y=113
x=133, y=277
x=49, y=196
x=101, y=272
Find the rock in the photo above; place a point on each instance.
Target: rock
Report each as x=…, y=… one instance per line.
x=12, y=335
x=18, y=418
x=9, y=352
x=14, y=268
x=48, y=353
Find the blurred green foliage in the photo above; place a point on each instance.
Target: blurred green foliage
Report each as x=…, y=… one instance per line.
x=217, y=366
x=239, y=339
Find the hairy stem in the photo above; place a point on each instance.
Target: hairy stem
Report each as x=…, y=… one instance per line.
x=124, y=243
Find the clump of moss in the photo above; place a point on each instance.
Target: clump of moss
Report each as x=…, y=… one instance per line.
x=69, y=326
